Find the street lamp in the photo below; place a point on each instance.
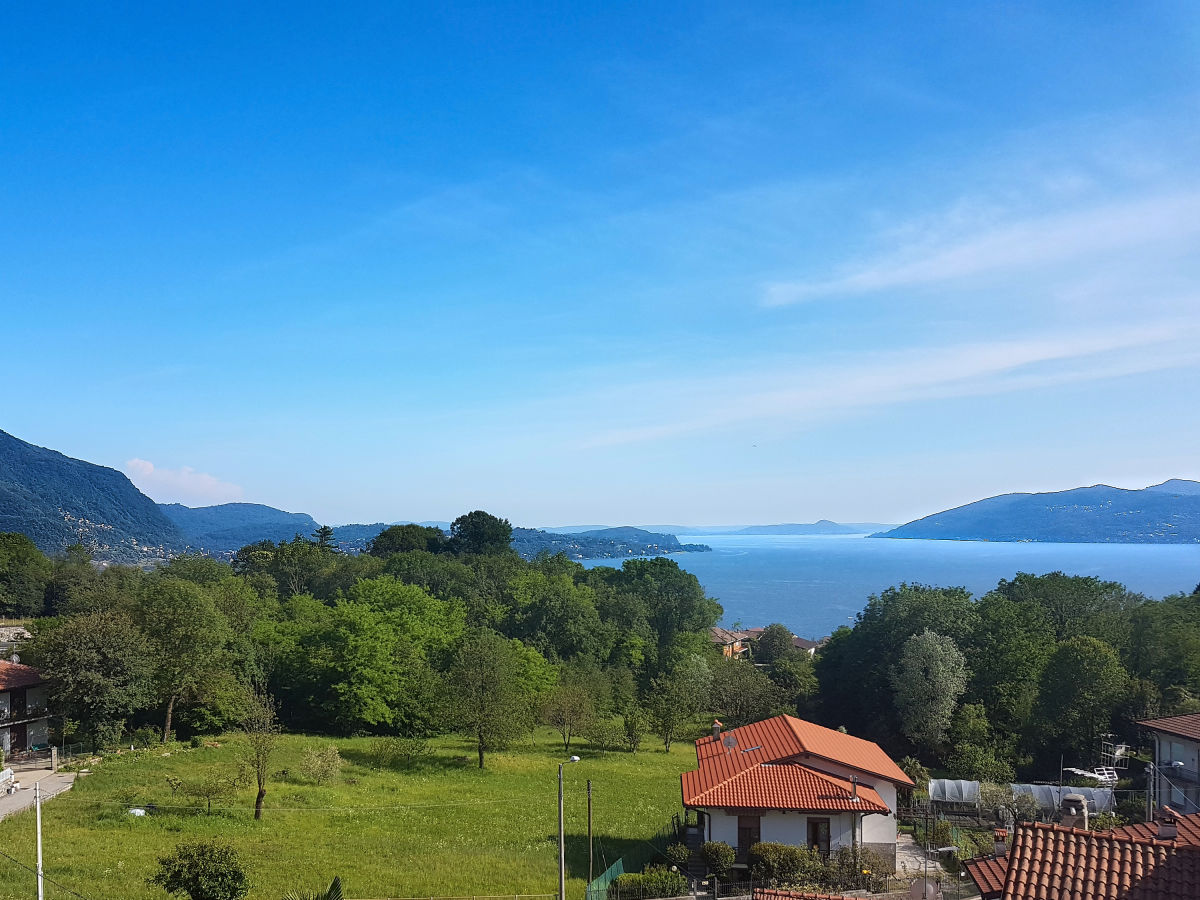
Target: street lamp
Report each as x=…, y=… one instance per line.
x=562, y=846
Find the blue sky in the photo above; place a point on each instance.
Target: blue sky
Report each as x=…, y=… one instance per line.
x=604, y=262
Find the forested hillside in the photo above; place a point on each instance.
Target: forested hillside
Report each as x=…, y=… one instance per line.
x=58, y=501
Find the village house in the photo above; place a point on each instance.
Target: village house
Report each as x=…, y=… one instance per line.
x=1175, y=777
x=739, y=644
x=793, y=782
x=24, y=719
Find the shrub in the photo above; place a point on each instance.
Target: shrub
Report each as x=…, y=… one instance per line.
x=678, y=855
x=784, y=864
x=634, y=722
x=203, y=870
x=403, y=751
x=719, y=857
x=145, y=736
x=605, y=734
x=656, y=881
x=321, y=764
x=196, y=742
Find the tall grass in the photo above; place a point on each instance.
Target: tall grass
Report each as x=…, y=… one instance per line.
x=439, y=827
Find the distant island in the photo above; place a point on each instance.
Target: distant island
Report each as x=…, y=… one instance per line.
x=605, y=543
x=822, y=526
x=1166, y=513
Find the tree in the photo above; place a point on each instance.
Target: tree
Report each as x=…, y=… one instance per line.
x=1082, y=685
x=740, y=692
x=25, y=574
x=569, y=710
x=203, y=870
x=930, y=677
x=480, y=533
x=677, y=697
x=100, y=667
x=324, y=539
x=187, y=633
x=405, y=539
x=489, y=701
x=794, y=674
x=261, y=726
x=774, y=641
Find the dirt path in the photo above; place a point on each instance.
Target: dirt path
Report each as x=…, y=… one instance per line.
x=51, y=783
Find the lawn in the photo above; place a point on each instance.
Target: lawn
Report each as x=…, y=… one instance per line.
x=440, y=828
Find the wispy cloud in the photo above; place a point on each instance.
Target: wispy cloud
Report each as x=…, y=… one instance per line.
x=182, y=485
x=1014, y=247
x=798, y=397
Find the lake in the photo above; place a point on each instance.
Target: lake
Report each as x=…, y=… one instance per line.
x=813, y=584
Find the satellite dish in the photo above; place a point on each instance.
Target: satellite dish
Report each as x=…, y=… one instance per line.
x=730, y=741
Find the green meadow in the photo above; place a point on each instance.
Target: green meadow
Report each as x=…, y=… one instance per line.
x=440, y=827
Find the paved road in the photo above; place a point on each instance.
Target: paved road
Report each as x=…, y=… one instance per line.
x=51, y=783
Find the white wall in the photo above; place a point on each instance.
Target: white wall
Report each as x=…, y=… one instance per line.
x=791, y=828
x=723, y=828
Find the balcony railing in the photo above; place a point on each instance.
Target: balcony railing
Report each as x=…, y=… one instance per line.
x=29, y=714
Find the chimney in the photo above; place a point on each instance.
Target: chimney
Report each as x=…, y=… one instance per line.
x=1000, y=836
x=854, y=788
x=716, y=729
x=1168, y=828
x=1073, y=811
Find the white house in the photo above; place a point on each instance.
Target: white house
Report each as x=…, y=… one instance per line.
x=793, y=782
x=1175, y=778
x=24, y=719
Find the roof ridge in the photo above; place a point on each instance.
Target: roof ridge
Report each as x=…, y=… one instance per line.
x=1107, y=834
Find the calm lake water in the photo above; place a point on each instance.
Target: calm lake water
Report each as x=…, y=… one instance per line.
x=815, y=584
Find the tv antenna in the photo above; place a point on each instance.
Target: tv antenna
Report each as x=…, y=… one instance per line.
x=729, y=742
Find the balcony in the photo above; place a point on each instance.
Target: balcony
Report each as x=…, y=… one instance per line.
x=29, y=714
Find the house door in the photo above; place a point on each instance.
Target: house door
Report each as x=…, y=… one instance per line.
x=818, y=835
x=19, y=737
x=749, y=834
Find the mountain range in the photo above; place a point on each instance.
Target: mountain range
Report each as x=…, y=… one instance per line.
x=1166, y=513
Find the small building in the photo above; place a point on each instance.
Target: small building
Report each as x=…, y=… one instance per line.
x=24, y=717
x=793, y=782
x=733, y=644
x=1175, y=778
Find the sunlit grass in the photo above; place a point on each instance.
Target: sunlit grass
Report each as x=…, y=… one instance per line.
x=442, y=828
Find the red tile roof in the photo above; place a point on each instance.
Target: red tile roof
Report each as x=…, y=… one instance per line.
x=1183, y=726
x=775, y=894
x=988, y=873
x=14, y=675
x=782, y=786
x=1052, y=862
x=1188, y=828
x=788, y=738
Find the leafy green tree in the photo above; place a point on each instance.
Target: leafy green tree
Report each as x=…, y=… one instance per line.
x=973, y=762
x=100, y=667
x=480, y=533
x=774, y=641
x=557, y=616
x=569, y=710
x=675, y=608
x=25, y=574
x=796, y=677
x=677, y=697
x=187, y=634
x=1082, y=686
x=261, y=726
x=1011, y=643
x=488, y=690
x=203, y=870
x=1077, y=605
x=740, y=692
x=927, y=682
x=407, y=538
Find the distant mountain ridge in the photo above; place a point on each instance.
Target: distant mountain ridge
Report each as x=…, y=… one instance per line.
x=1167, y=513
x=822, y=526
x=231, y=526
x=57, y=501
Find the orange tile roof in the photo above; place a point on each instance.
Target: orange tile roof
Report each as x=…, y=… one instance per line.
x=775, y=894
x=985, y=870
x=15, y=675
x=988, y=873
x=1183, y=726
x=788, y=738
x=783, y=786
x=1053, y=862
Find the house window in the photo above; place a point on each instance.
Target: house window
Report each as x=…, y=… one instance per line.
x=749, y=833
x=818, y=835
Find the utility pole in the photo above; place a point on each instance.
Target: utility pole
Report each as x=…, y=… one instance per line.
x=562, y=843
x=589, y=792
x=37, y=804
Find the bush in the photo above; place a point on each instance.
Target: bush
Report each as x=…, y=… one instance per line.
x=784, y=864
x=605, y=734
x=634, y=721
x=321, y=764
x=656, y=881
x=719, y=857
x=204, y=870
x=403, y=751
x=196, y=742
x=145, y=736
x=678, y=855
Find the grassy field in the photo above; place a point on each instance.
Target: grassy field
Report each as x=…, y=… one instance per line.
x=441, y=828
